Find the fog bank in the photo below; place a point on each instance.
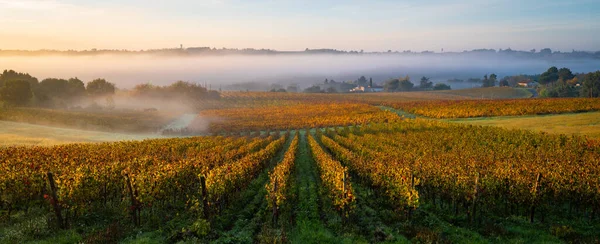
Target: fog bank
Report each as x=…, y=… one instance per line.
x=220, y=71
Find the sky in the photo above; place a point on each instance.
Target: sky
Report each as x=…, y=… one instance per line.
x=295, y=25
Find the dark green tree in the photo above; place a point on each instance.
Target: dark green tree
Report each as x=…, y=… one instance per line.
x=425, y=83
x=489, y=81
x=551, y=75
x=441, y=86
x=591, y=85
x=560, y=89
x=391, y=85
x=9, y=75
x=75, y=88
x=313, y=89
x=565, y=74
x=100, y=87
x=362, y=81
x=406, y=85
x=16, y=92
x=292, y=88
x=52, y=88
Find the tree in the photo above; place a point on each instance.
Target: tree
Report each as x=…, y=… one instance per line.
x=560, y=89
x=9, y=75
x=551, y=75
x=402, y=84
x=546, y=51
x=100, y=87
x=52, y=88
x=331, y=90
x=503, y=82
x=292, y=88
x=391, y=85
x=565, y=74
x=441, y=86
x=362, y=81
x=370, y=82
x=75, y=88
x=406, y=85
x=591, y=85
x=489, y=82
x=425, y=83
x=16, y=92
x=313, y=89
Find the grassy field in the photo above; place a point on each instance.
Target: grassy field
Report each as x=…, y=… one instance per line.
x=21, y=134
x=585, y=124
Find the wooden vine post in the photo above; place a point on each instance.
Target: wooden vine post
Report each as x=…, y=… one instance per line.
x=54, y=201
x=274, y=200
x=474, y=203
x=344, y=211
x=344, y=184
x=204, y=196
x=534, y=198
x=412, y=186
x=133, y=207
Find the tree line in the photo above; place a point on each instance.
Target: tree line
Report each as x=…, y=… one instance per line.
x=390, y=85
x=22, y=89
x=563, y=83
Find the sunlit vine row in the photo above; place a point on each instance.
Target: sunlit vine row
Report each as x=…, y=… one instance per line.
x=161, y=172
x=228, y=178
x=491, y=165
x=334, y=176
x=279, y=178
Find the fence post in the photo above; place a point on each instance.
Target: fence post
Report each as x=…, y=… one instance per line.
x=54, y=201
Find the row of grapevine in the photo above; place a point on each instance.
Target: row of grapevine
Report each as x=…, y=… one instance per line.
x=228, y=178
x=480, y=165
x=503, y=107
x=305, y=116
x=334, y=176
x=280, y=176
x=388, y=174
x=149, y=174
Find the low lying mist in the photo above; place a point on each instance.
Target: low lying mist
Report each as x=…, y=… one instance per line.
x=223, y=71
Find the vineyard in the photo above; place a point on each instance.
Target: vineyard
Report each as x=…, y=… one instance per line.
x=298, y=169
x=376, y=182
x=304, y=116
x=488, y=108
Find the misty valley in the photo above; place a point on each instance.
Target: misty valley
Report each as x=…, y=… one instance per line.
x=218, y=121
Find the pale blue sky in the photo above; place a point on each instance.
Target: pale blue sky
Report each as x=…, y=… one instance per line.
x=295, y=25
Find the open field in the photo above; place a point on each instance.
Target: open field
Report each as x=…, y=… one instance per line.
x=101, y=120
x=583, y=124
x=21, y=134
